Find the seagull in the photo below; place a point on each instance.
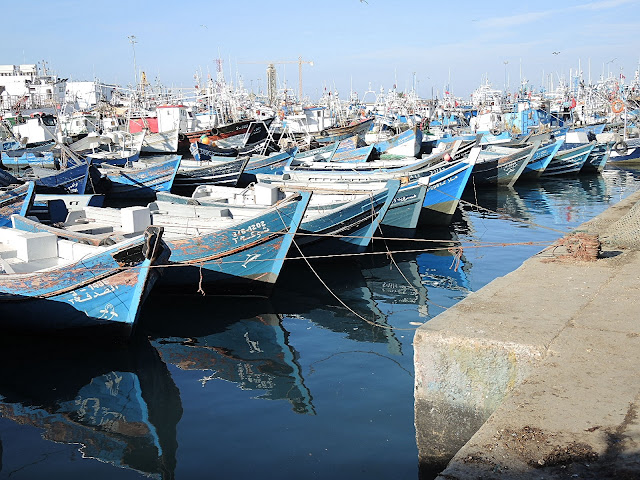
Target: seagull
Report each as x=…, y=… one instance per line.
x=555, y=53
x=204, y=26
x=364, y=1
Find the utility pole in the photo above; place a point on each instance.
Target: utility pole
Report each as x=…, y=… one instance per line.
x=132, y=39
x=300, y=62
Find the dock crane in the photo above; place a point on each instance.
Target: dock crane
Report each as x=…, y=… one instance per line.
x=271, y=76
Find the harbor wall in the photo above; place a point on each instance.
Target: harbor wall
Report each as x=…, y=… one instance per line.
x=534, y=352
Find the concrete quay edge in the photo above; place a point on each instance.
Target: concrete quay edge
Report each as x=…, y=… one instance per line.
x=536, y=374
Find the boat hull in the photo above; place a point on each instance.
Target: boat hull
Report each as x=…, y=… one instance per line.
x=540, y=161
x=143, y=182
x=244, y=259
x=15, y=201
x=570, y=161
x=103, y=292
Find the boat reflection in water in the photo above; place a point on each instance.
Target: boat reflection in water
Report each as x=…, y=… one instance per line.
x=251, y=351
x=119, y=405
x=335, y=295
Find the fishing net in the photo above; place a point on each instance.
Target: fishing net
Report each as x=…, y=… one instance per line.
x=624, y=233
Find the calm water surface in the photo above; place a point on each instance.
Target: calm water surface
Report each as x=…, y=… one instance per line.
x=314, y=382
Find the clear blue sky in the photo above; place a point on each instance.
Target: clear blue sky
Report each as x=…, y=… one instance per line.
x=350, y=41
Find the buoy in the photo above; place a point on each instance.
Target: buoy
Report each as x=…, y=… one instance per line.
x=617, y=106
x=204, y=139
x=447, y=157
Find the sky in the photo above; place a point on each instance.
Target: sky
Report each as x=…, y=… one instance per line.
x=353, y=44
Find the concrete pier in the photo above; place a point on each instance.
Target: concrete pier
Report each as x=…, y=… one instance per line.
x=537, y=375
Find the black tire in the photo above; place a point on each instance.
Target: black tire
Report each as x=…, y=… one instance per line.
x=621, y=147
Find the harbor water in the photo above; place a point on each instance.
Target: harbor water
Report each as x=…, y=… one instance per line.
x=315, y=381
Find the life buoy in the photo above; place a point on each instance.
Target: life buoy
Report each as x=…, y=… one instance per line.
x=281, y=114
x=621, y=147
x=617, y=106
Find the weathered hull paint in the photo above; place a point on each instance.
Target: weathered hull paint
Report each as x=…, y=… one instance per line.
x=143, y=182
x=15, y=201
x=70, y=180
x=103, y=291
x=223, y=173
x=246, y=258
x=570, y=161
x=540, y=160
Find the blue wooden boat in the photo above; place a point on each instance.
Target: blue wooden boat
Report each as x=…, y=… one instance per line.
x=18, y=159
x=348, y=228
x=222, y=251
x=625, y=152
x=447, y=178
x=242, y=255
x=400, y=220
x=336, y=221
x=361, y=154
x=598, y=158
x=501, y=166
x=541, y=159
x=260, y=164
x=53, y=285
x=408, y=143
x=209, y=173
x=15, y=200
x=72, y=179
x=320, y=154
x=446, y=185
x=141, y=179
x=116, y=405
x=569, y=161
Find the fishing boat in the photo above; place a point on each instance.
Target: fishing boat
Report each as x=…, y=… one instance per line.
x=625, y=151
x=185, y=138
x=254, y=140
x=569, y=161
x=401, y=218
x=192, y=173
x=501, y=166
x=113, y=148
x=598, y=158
x=71, y=178
x=407, y=143
x=335, y=134
x=335, y=222
x=136, y=180
x=217, y=250
x=265, y=164
x=16, y=160
x=541, y=157
x=53, y=285
x=15, y=200
x=361, y=154
x=448, y=173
